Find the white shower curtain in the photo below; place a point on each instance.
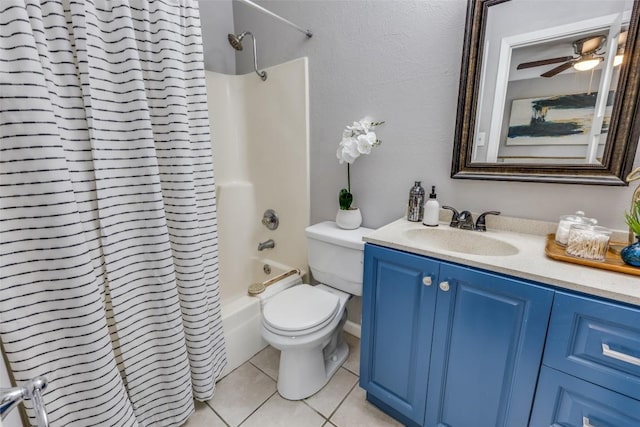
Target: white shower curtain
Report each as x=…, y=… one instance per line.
x=108, y=244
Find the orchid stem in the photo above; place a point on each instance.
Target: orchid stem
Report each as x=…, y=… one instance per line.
x=348, y=178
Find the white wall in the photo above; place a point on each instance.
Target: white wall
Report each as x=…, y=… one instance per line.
x=217, y=22
x=398, y=61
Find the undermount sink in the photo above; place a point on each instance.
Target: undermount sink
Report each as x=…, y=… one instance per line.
x=461, y=241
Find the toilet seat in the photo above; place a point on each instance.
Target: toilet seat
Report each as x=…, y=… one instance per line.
x=300, y=310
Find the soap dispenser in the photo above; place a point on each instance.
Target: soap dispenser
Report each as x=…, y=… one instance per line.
x=431, y=209
x=415, y=210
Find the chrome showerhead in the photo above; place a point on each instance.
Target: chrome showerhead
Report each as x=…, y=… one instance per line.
x=235, y=40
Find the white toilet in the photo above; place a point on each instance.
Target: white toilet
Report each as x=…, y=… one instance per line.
x=305, y=322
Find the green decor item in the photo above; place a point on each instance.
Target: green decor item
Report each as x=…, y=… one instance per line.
x=631, y=254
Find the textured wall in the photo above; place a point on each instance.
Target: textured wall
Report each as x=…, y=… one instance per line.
x=398, y=61
x=217, y=22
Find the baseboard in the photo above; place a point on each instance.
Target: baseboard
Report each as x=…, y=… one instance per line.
x=352, y=328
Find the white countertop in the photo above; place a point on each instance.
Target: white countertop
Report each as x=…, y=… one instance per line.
x=529, y=263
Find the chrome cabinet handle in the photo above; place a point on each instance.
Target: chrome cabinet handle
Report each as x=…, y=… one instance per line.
x=586, y=422
x=606, y=351
x=444, y=286
x=427, y=281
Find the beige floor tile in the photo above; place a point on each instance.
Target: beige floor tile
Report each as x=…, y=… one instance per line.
x=327, y=400
x=355, y=411
x=204, y=417
x=328, y=424
x=279, y=412
x=268, y=361
x=353, y=361
x=240, y=393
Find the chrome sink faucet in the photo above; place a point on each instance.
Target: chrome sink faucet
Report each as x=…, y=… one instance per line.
x=464, y=220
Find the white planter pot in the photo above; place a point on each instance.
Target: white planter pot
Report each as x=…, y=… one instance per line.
x=349, y=219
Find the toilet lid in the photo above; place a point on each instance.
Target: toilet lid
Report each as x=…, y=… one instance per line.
x=300, y=307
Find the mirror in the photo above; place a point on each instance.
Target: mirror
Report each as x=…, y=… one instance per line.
x=549, y=91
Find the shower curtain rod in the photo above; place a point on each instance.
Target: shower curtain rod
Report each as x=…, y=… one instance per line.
x=308, y=33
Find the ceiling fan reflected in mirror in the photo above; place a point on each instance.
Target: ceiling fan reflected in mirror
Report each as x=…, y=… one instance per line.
x=587, y=56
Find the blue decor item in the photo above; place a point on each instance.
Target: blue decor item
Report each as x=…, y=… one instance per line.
x=631, y=254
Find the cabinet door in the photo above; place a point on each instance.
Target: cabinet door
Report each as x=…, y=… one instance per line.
x=398, y=304
x=566, y=401
x=487, y=347
x=595, y=340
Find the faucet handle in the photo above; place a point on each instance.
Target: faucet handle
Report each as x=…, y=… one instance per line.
x=466, y=221
x=455, y=218
x=480, y=222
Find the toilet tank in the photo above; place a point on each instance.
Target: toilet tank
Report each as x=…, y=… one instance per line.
x=336, y=255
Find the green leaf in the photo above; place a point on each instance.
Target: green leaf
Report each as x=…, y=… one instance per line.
x=633, y=218
x=345, y=199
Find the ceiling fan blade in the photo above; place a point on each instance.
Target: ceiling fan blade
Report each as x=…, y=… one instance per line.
x=589, y=45
x=544, y=62
x=622, y=38
x=558, y=69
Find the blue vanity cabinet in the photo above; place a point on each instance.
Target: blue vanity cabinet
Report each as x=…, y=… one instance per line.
x=460, y=348
x=567, y=401
x=591, y=365
x=398, y=306
x=487, y=348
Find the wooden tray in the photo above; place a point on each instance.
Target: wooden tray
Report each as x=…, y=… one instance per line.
x=612, y=261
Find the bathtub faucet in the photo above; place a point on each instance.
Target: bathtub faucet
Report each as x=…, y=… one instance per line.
x=269, y=244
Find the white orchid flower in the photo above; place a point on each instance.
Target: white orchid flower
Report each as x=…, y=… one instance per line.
x=366, y=142
x=357, y=139
x=348, y=150
x=366, y=124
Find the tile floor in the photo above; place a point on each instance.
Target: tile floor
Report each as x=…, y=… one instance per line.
x=247, y=397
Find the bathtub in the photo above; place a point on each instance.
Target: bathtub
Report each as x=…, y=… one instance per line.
x=241, y=316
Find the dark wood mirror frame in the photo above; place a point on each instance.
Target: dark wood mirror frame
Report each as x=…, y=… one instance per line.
x=624, y=129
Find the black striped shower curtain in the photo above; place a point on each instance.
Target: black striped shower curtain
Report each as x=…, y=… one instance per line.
x=108, y=241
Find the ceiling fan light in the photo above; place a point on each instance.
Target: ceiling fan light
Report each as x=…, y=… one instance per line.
x=617, y=60
x=587, y=64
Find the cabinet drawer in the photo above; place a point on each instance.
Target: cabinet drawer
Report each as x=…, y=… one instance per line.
x=597, y=341
x=563, y=400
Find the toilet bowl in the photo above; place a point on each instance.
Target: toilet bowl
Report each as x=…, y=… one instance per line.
x=305, y=322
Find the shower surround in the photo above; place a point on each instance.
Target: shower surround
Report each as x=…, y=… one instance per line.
x=260, y=134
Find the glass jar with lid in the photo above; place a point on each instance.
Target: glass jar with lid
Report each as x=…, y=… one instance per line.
x=588, y=241
x=566, y=221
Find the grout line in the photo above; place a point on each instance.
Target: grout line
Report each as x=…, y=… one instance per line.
x=357, y=374
x=260, y=369
x=327, y=419
x=218, y=415
x=342, y=401
x=259, y=406
x=303, y=400
x=315, y=410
